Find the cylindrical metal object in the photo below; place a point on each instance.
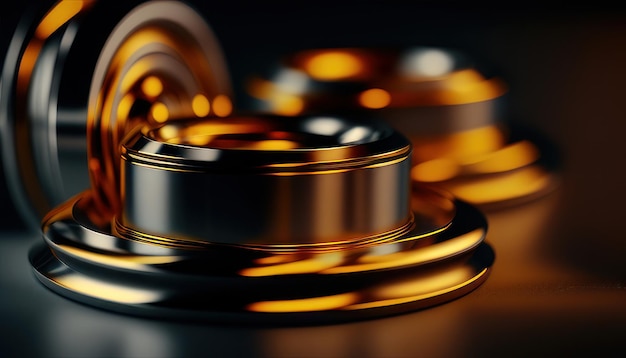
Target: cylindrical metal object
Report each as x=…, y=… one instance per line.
x=268, y=180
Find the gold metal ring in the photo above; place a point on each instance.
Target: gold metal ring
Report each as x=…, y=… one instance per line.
x=160, y=62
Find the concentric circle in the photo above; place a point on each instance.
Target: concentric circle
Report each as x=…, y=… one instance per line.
x=51, y=65
x=160, y=62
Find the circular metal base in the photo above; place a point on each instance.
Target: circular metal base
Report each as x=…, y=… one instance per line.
x=441, y=259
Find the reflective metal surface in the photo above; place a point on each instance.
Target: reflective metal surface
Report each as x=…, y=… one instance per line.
x=271, y=180
x=452, y=110
x=437, y=261
x=58, y=53
x=160, y=62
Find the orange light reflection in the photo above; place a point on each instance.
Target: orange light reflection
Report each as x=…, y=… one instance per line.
x=159, y=112
x=286, y=104
x=333, y=65
x=61, y=13
x=418, y=289
x=517, y=183
x=311, y=265
x=511, y=157
x=222, y=106
x=200, y=105
x=306, y=304
x=459, y=146
x=125, y=105
x=423, y=255
x=374, y=98
x=152, y=86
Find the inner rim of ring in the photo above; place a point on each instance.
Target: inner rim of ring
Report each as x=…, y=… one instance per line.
x=268, y=134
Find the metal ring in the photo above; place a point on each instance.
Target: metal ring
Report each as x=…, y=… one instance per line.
x=450, y=109
x=267, y=180
x=158, y=62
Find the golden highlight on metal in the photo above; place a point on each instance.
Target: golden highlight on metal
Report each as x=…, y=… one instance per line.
x=118, y=64
x=162, y=63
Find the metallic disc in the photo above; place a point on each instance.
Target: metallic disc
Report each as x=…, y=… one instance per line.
x=440, y=260
x=307, y=181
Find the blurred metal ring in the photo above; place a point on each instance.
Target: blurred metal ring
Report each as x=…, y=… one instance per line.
x=57, y=54
x=267, y=181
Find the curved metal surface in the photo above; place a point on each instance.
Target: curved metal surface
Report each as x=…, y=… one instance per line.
x=157, y=63
x=292, y=181
x=46, y=79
